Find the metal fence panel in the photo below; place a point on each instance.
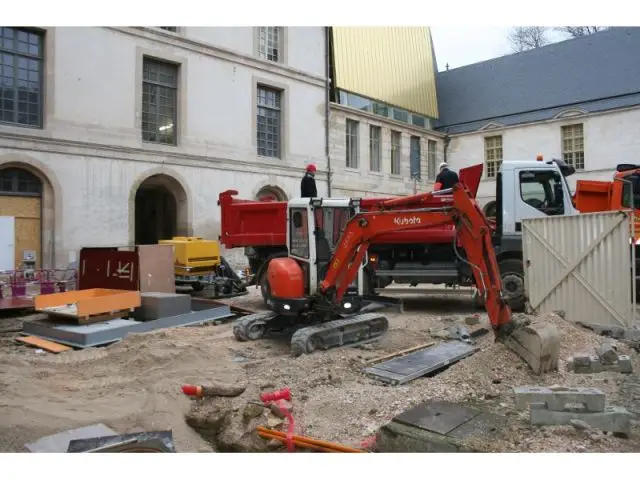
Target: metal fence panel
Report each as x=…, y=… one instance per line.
x=581, y=264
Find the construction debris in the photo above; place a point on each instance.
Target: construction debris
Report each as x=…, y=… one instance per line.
x=140, y=442
x=553, y=406
x=213, y=390
x=605, y=359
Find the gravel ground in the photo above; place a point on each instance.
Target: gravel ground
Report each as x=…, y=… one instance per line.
x=135, y=384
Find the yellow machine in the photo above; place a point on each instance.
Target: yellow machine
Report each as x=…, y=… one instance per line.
x=199, y=268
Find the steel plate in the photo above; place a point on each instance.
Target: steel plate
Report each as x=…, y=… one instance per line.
x=437, y=416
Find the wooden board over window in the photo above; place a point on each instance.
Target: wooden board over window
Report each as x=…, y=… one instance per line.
x=27, y=212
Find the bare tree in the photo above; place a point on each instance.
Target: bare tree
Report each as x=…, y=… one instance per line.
x=580, y=31
x=526, y=38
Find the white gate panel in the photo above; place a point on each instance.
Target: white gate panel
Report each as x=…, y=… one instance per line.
x=580, y=264
x=7, y=243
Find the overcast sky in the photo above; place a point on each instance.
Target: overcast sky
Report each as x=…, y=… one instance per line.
x=464, y=45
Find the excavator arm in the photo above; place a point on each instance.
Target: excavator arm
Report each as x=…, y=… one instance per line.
x=406, y=213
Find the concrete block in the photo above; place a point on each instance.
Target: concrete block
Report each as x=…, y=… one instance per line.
x=579, y=364
x=155, y=305
x=607, y=353
x=612, y=419
x=557, y=398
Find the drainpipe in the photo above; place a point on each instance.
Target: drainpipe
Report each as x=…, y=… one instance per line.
x=447, y=139
x=327, y=69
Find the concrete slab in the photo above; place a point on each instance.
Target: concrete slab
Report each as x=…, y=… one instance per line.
x=421, y=428
x=103, y=333
x=557, y=398
x=59, y=442
x=613, y=419
x=404, y=369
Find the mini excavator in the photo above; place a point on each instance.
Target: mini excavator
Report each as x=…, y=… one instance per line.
x=317, y=289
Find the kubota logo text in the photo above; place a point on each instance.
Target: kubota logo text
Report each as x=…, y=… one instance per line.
x=406, y=221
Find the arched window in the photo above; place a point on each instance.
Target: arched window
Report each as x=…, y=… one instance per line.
x=16, y=181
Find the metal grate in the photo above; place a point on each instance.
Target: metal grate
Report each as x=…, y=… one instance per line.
x=21, y=62
x=375, y=157
x=269, y=121
x=269, y=43
x=395, y=152
x=352, y=141
x=159, y=102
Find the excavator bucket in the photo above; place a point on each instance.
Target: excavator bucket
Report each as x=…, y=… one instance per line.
x=537, y=343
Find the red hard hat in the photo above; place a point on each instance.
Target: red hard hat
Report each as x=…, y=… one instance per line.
x=311, y=167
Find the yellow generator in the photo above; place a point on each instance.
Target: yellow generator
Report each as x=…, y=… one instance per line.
x=201, y=270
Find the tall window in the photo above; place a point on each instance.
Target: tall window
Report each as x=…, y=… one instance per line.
x=573, y=145
x=21, y=76
x=352, y=144
x=269, y=41
x=269, y=121
x=159, y=102
x=493, y=154
x=395, y=152
x=431, y=159
x=375, y=157
x=415, y=157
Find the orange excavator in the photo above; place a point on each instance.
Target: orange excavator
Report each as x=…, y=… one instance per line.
x=318, y=287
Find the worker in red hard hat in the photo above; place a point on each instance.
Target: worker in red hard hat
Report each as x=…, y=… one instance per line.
x=308, y=184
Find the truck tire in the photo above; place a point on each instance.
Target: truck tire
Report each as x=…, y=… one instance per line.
x=265, y=289
x=512, y=276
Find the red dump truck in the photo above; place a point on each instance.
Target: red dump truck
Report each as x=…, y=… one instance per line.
x=414, y=256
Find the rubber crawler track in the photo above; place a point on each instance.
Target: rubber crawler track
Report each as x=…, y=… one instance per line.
x=338, y=332
x=242, y=326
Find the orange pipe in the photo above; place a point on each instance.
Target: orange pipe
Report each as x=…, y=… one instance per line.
x=297, y=443
x=320, y=443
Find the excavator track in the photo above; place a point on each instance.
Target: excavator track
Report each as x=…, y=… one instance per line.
x=252, y=327
x=336, y=333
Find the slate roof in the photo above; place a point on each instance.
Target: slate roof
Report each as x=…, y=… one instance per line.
x=593, y=73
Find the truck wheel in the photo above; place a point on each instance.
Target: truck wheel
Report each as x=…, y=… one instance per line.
x=512, y=275
x=265, y=289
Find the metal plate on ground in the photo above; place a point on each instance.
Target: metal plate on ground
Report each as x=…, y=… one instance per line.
x=59, y=442
x=404, y=369
x=103, y=333
x=437, y=416
x=142, y=442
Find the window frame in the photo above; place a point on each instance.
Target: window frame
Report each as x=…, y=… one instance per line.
x=280, y=43
x=352, y=143
x=149, y=60
x=41, y=62
x=396, y=153
x=375, y=150
x=412, y=154
x=549, y=191
x=571, y=155
x=432, y=159
x=279, y=108
x=493, y=147
x=14, y=174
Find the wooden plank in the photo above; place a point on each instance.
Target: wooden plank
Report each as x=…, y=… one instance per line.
x=47, y=345
x=400, y=353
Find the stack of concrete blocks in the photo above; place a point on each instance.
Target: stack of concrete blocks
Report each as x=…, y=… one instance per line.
x=155, y=305
x=605, y=359
x=552, y=406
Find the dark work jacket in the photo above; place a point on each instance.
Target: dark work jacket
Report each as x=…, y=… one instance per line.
x=308, y=186
x=447, y=179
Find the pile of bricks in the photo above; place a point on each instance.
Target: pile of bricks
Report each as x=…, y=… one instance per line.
x=606, y=358
x=554, y=406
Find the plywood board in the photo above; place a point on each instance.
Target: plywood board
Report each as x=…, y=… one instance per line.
x=156, y=269
x=47, y=345
x=27, y=212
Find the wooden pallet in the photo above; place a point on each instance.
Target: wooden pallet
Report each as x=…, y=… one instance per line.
x=88, y=319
